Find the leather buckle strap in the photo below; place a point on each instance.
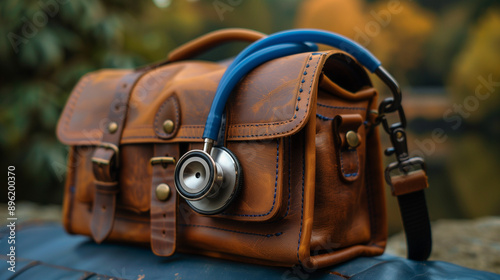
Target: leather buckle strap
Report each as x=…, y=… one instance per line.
x=164, y=200
x=106, y=158
x=109, y=146
x=105, y=162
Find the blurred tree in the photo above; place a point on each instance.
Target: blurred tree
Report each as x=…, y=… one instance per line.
x=45, y=46
x=403, y=33
x=476, y=68
x=333, y=15
x=447, y=38
x=474, y=84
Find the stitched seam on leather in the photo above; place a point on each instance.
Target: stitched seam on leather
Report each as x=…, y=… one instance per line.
x=342, y=107
x=235, y=231
x=144, y=137
x=158, y=132
x=283, y=122
x=189, y=137
x=289, y=175
x=289, y=178
x=354, y=174
x=323, y=117
x=369, y=193
x=74, y=100
x=140, y=137
x=194, y=126
x=275, y=189
x=302, y=206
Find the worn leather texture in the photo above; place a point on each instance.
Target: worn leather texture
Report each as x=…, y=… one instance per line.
x=306, y=197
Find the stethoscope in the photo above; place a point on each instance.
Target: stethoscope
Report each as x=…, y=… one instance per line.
x=209, y=179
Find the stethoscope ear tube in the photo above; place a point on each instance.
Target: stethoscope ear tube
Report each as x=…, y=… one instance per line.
x=298, y=36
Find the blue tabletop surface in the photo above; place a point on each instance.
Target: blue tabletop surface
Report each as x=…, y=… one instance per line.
x=46, y=251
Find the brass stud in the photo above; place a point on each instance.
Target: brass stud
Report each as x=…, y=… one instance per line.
x=162, y=192
x=168, y=126
x=352, y=139
x=112, y=127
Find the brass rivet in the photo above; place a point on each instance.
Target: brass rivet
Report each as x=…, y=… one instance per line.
x=112, y=127
x=352, y=139
x=162, y=192
x=168, y=126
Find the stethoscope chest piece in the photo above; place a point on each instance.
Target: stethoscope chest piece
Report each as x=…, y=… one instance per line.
x=208, y=182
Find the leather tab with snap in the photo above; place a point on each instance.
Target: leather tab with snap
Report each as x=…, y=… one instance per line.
x=167, y=119
x=348, y=140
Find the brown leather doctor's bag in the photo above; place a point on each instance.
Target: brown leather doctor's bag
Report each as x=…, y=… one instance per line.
x=273, y=159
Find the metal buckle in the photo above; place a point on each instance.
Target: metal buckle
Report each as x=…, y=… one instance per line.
x=110, y=146
x=162, y=160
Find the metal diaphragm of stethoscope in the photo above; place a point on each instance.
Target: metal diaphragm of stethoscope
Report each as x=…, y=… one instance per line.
x=209, y=179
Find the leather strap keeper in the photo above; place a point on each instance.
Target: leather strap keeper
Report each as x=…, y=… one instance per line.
x=106, y=187
x=409, y=183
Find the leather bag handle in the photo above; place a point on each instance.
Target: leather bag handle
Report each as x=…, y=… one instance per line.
x=211, y=40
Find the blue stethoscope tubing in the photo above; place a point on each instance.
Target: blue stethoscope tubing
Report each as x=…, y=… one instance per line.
x=275, y=46
x=237, y=72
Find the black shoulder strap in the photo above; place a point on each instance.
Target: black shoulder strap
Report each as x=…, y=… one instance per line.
x=409, y=189
x=416, y=224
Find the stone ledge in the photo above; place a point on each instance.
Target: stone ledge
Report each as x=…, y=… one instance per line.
x=470, y=243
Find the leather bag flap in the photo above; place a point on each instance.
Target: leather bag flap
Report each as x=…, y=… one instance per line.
x=271, y=102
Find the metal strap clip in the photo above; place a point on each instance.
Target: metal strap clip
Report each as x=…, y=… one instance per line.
x=396, y=130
